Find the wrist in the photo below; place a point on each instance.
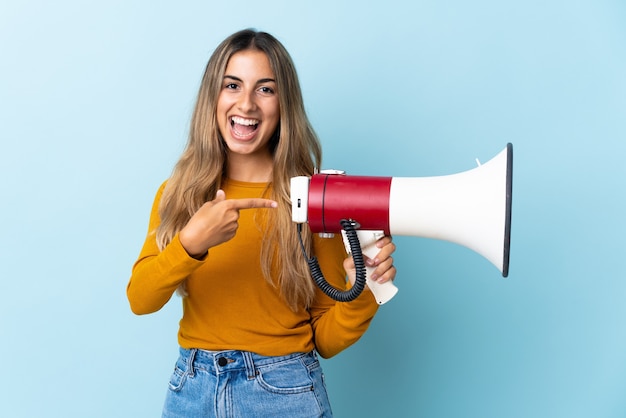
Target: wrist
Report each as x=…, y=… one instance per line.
x=192, y=250
x=198, y=257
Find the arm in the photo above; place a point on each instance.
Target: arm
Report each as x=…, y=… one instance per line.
x=157, y=274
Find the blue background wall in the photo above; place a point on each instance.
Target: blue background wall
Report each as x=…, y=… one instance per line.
x=95, y=99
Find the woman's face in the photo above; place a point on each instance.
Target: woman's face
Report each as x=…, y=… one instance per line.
x=248, y=111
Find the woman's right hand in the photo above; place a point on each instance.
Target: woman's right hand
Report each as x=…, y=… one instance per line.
x=216, y=222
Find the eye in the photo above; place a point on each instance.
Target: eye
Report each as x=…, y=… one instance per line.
x=266, y=90
x=230, y=86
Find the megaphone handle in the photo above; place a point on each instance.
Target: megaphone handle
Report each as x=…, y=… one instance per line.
x=367, y=239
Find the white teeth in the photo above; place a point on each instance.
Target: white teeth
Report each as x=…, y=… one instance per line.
x=246, y=122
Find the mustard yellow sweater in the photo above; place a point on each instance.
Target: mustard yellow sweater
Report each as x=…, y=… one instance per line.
x=231, y=306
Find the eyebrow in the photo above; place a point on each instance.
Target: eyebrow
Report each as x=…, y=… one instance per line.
x=261, y=81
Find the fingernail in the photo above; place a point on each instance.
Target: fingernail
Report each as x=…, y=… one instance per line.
x=374, y=276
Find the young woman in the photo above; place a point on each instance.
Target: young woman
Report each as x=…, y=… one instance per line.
x=221, y=233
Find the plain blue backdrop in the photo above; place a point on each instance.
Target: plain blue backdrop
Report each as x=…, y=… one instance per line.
x=95, y=99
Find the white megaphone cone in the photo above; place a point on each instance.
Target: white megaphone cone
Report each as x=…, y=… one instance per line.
x=471, y=208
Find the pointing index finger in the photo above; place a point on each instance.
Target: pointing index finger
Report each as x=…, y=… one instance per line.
x=252, y=203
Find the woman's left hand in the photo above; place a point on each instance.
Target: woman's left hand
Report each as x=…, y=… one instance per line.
x=383, y=262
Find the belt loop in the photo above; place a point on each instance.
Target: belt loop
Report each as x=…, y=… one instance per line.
x=249, y=362
x=190, y=360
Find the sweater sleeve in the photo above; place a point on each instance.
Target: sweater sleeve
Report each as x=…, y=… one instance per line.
x=338, y=325
x=157, y=274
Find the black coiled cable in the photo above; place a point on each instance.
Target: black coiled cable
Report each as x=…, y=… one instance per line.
x=359, y=264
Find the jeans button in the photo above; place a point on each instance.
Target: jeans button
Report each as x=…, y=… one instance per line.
x=222, y=361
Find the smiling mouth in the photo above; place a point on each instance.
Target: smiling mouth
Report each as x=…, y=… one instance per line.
x=242, y=127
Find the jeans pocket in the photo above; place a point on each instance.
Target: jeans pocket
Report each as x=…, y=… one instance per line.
x=286, y=377
x=178, y=378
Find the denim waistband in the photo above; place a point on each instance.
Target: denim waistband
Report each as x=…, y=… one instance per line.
x=233, y=360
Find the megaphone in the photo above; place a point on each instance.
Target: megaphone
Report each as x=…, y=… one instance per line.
x=471, y=208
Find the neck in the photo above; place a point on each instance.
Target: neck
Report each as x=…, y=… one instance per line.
x=251, y=170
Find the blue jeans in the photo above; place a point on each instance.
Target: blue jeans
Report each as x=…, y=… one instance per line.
x=238, y=384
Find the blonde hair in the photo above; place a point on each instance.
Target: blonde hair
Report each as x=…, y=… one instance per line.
x=202, y=166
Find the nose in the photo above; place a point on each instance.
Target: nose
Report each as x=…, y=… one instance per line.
x=247, y=101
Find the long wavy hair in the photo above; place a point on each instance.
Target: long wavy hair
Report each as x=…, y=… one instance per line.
x=202, y=166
